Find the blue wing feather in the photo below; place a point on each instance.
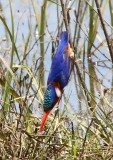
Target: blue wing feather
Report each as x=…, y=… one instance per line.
x=60, y=67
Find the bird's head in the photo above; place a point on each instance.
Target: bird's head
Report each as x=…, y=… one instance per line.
x=51, y=97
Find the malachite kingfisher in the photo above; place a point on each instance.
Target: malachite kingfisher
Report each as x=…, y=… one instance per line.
x=58, y=76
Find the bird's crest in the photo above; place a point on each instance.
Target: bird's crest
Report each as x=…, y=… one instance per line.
x=49, y=97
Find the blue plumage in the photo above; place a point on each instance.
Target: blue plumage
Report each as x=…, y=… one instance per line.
x=60, y=67
x=58, y=76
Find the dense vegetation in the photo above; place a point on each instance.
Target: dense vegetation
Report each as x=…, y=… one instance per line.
x=81, y=125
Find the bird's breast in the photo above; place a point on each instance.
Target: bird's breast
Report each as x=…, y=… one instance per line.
x=69, y=50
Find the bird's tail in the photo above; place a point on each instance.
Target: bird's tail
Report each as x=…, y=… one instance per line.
x=44, y=117
x=64, y=36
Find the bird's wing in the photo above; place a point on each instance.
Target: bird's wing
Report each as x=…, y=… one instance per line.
x=60, y=68
x=61, y=63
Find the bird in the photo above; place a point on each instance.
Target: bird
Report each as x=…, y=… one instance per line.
x=58, y=76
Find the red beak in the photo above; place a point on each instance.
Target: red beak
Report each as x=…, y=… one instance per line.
x=44, y=117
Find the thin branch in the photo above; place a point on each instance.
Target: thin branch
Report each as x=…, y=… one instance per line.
x=104, y=29
x=76, y=64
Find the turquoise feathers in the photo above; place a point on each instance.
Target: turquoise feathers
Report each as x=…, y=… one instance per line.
x=49, y=97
